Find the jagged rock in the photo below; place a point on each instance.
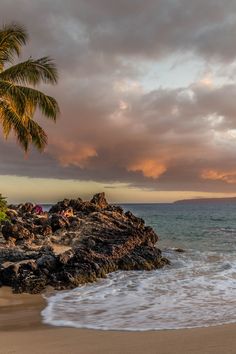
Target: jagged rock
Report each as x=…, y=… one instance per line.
x=74, y=243
x=26, y=208
x=100, y=200
x=65, y=204
x=58, y=222
x=11, y=272
x=47, y=261
x=16, y=232
x=60, y=206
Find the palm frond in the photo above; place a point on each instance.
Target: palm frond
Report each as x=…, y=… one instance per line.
x=12, y=38
x=11, y=120
x=32, y=72
x=27, y=99
x=46, y=104
x=38, y=135
x=27, y=130
x=13, y=95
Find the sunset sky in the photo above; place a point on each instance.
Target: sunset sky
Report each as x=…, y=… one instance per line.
x=147, y=92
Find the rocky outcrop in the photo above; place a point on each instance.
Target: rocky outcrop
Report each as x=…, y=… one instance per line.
x=100, y=200
x=74, y=243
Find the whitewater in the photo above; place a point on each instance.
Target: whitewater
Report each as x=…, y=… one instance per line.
x=198, y=289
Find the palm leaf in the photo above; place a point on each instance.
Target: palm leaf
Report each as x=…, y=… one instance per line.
x=26, y=97
x=13, y=95
x=27, y=130
x=37, y=99
x=12, y=37
x=11, y=120
x=32, y=72
x=38, y=135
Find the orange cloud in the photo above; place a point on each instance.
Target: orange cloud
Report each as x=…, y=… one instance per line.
x=228, y=177
x=70, y=154
x=150, y=168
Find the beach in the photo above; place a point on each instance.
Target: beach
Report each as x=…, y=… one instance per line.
x=197, y=289
x=118, y=222
x=22, y=332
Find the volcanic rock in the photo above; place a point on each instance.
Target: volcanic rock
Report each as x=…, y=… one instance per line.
x=74, y=243
x=100, y=200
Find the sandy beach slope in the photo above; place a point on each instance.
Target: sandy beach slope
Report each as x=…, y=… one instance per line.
x=21, y=332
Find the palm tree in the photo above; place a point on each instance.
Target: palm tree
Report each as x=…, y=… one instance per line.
x=18, y=102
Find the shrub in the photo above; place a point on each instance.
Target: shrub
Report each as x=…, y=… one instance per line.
x=3, y=216
x=3, y=209
x=3, y=203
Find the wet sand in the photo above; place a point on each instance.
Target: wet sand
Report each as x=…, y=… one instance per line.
x=22, y=332
x=19, y=312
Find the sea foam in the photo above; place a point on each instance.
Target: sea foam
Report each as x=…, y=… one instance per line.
x=197, y=290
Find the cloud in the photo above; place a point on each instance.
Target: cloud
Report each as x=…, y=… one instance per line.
x=111, y=128
x=71, y=154
x=226, y=176
x=163, y=141
x=149, y=168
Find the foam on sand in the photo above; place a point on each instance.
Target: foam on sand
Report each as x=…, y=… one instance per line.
x=197, y=290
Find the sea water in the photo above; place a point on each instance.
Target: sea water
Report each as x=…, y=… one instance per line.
x=198, y=288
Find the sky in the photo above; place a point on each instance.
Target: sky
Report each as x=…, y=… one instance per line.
x=147, y=93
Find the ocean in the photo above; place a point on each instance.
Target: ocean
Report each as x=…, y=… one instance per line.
x=198, y=289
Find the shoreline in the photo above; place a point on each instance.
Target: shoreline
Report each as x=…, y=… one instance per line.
x=22, y=332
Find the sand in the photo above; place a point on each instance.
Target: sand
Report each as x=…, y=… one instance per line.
x=22, y=332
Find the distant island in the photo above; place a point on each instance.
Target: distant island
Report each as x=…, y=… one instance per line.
x=206, y=200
